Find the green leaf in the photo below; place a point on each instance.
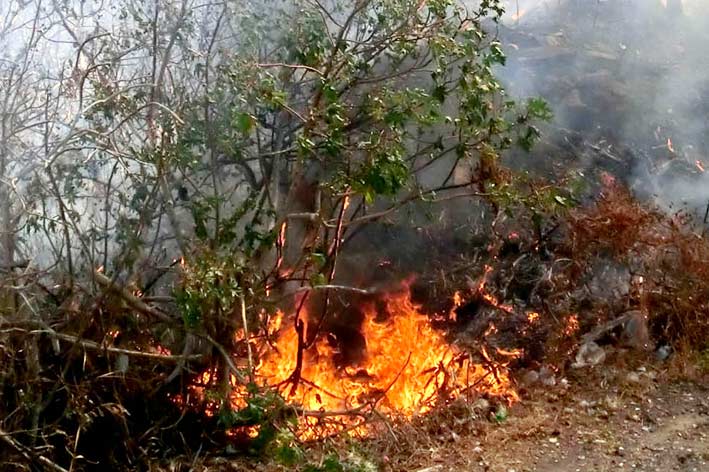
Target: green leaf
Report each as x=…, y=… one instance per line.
x=244, y=123
x=539, y=108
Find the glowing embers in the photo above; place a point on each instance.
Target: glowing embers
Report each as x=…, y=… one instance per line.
x=489, y=298
x=572, y=325
x=407, y=369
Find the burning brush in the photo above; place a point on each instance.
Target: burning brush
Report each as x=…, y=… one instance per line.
x=405, y=368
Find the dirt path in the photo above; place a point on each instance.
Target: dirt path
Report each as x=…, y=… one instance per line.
x=631, y=422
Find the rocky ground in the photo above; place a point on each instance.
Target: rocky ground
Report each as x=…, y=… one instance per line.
x=614, y=420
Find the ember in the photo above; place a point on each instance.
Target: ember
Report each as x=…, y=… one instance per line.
x=572, y=325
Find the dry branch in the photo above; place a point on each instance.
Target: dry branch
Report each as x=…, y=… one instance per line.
x=133, y=301
x=7, y=439
x=128, y=352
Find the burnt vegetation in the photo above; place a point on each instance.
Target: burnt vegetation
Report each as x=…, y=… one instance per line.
x=265, y=236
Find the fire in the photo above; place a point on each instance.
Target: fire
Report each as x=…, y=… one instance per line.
x=670, y=147
x=699, y=165
x=532, y=316
x=490, y=298
x=162, y=350
x=457, y=302
x=407, y=369
x=572, y=325
x=491, y=329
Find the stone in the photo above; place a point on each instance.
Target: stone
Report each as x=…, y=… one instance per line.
x=636, y=334
x=589, y=354
x=530, y=377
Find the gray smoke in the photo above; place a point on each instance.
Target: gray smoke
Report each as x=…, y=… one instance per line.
x=629, y=84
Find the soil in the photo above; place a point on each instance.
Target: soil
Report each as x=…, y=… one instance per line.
x=615, y=420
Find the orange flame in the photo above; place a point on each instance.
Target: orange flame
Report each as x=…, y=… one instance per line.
x=670, y=146
x=407, y=369
x=699, y=165
x=490, y=298
x=457, y=302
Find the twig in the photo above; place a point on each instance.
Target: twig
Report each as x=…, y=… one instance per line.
x=345, y=288
x=134, y=302
x=599, y=331
x=246, y=337
x=128, y=352
x=289, y=66
x=332, y=256
x=295, y=376
x=23, y=265
x=6, y=438
x=227, y=359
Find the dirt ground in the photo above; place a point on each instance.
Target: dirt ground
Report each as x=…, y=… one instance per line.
x=613, y=420
x=639, y=416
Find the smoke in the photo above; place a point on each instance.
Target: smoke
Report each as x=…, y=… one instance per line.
x=629, y=84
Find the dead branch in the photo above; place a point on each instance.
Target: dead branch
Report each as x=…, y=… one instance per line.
x=344, y=288
x=15, y=265
x=7, y=439
x=295, y=376
x=227, y=359
x=246, y=338
x=128, y=352
x=599, y=331
x=133, y=301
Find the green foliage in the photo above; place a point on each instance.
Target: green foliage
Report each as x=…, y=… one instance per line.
x=704, y=360
x=500, y=415
x=211, y=285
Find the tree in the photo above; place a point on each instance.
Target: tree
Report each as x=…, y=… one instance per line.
x=249, y=141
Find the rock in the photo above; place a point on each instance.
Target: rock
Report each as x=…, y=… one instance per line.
x=635, y=331
x=663, y=352
x=589, y=354
x=481, y=405
x=547, y=377
x=530, y=377
x=633, y=377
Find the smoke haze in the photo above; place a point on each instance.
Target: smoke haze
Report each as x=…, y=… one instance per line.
x=628, y=82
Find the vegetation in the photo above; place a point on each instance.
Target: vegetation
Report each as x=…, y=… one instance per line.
x=172, y=174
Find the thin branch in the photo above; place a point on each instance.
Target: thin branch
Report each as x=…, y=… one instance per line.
x=134, y=302
x=289, y=66
x=128, y=352
x=7, y=439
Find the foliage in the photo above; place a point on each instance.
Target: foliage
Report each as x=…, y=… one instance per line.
x=206, y=160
